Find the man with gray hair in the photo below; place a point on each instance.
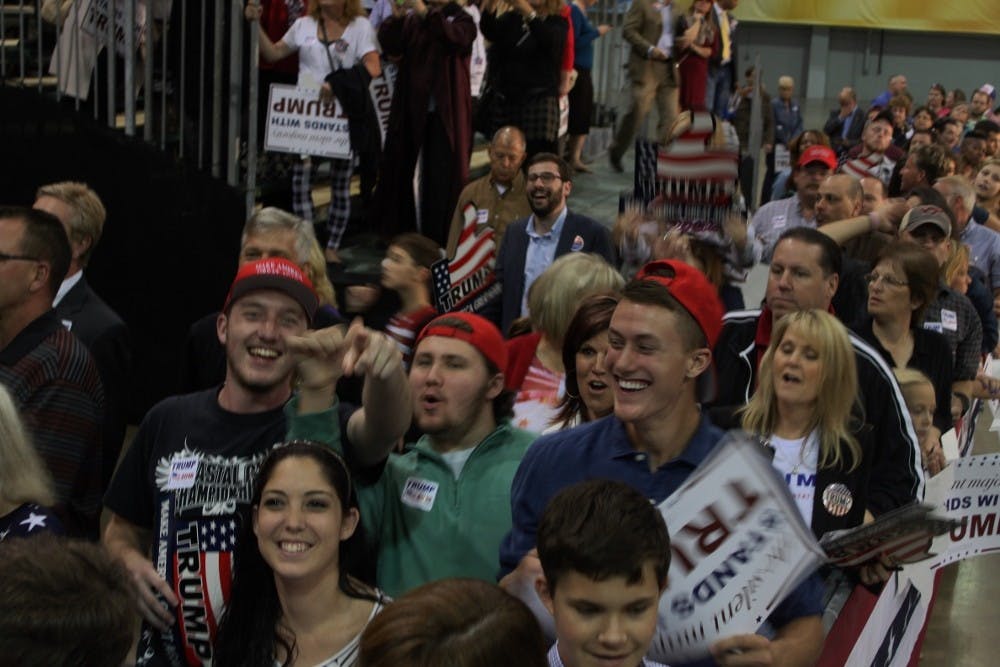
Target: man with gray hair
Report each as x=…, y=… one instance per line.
x=84, y=313
x=983, y=242
x=897, y=86
x=498, y=198
x=787, y=115
x=269, y=233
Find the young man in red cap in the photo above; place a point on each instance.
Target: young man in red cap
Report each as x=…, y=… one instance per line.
x=185, y=484
x=660, y=358
x=441, y=508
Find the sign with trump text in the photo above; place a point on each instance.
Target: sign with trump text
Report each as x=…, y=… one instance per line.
x=739, y=547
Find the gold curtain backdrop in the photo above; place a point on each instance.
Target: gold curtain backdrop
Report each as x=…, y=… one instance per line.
x=969, y=16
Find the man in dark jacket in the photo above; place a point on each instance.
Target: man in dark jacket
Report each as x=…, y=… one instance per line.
x=531, y=244
x=805, y=272
x=86, y=315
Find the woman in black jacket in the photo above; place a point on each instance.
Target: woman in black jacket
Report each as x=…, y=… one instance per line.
x=526, y=49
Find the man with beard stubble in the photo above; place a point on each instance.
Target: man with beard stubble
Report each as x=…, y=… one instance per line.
x=531, y=244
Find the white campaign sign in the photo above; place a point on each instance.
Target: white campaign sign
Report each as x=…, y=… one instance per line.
x=298, y=122
x=971, y=492
x=739, y=547
x=97, y=16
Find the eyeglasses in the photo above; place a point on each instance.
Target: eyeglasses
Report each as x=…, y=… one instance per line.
x=873, y=278
x=4, y=257
x=545, y=177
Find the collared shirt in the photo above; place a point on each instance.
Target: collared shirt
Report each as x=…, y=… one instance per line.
x=726, y=27
x=770, y=221
x=953, y=315
x=541, y=253
x=495, y=205
x=848, y=122
x=601, y=449
x=666, y=41
x=984, y=250
x=66, y=286
x=787, y=120
x=556, y=661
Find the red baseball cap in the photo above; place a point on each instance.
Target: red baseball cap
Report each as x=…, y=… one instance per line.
x=484, y=335
x=817, y=153
x=692, y=290
x=275, y=273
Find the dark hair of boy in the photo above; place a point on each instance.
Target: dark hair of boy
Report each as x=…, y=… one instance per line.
x=65, y=602
x=421, y=249
x=602, y=529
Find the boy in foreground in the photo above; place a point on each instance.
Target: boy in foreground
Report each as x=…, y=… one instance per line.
x=605, y=552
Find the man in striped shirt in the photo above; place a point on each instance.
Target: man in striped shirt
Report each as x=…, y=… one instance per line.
x=47, y=370
x=873, y=160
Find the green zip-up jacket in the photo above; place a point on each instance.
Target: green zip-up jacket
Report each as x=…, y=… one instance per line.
x=426, y=525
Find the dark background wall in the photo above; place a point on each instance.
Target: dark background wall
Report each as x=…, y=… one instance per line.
x=171, y=239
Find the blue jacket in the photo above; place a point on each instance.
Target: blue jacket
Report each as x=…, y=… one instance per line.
x=514, y=249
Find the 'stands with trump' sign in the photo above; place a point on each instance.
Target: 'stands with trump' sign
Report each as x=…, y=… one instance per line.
x=739, y=546
x=299, y=122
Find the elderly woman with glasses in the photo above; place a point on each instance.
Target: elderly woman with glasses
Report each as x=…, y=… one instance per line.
x=902, y=284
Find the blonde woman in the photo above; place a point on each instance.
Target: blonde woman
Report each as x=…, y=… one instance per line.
x=803, y=410
x=535, y=361
x=25, y=485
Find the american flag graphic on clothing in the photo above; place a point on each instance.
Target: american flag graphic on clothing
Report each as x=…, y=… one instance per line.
x=203, y=562
x=467, y=281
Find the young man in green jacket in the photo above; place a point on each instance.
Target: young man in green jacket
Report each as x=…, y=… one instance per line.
x=442, y=507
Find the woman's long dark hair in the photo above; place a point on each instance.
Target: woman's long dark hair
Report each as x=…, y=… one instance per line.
x=248, y=631
x=591, y=318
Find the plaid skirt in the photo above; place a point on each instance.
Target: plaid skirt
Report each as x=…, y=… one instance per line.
x=537, y=118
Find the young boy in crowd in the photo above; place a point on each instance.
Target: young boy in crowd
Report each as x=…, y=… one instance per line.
x=406, y=270
x=605, y=552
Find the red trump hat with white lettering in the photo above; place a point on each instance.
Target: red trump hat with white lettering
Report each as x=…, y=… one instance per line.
x=275, y=273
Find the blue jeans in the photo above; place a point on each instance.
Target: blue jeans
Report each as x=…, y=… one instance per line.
x=720, y=84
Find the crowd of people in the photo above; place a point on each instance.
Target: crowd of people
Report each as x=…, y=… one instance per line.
x=353, y=475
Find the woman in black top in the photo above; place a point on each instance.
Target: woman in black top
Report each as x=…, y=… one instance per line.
x=903, y=282
x=527, y=39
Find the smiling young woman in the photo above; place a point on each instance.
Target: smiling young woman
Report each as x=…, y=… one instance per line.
x=297, y=598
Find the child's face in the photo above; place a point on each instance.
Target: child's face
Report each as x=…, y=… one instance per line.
x=921, y=402
x=604, y=623
x=399, y=269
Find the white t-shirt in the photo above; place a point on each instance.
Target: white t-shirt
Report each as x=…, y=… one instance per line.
x=357, y=41
x=456, y=460
x=796, y=460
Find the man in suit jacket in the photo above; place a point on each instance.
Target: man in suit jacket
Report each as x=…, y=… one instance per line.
x=531, y=244
x=652, y=70
x=846, y=123
x=722, y=75
x=85, y=314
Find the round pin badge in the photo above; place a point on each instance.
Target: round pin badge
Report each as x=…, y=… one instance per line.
x=837, y=499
